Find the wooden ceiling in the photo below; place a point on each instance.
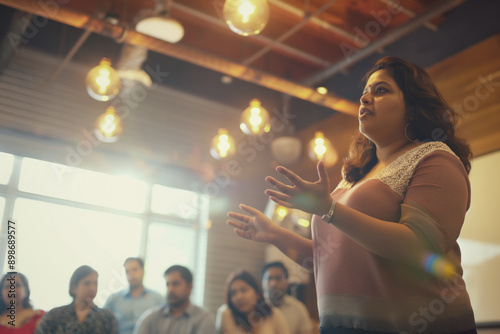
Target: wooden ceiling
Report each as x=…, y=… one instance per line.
x=325, y=32
x=303, y=44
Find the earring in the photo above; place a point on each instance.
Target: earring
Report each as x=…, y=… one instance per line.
x=406, y=134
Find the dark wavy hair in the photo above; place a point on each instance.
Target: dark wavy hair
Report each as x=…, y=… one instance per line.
x=262, y=309
x=26, y=300
x=80, y=273
x=430, y=118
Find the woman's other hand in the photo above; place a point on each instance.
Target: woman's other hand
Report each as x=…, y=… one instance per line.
x=312, y=197
x=253, y=226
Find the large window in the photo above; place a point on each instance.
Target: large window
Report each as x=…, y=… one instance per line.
x=66, y=217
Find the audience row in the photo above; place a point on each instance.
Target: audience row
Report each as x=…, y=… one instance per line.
x=139, y=310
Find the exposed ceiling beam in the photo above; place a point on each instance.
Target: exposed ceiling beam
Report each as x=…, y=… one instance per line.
x=389, y=38
x=83, y=21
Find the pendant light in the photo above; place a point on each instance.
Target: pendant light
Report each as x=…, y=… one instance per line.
x=223, y=145
x=108, y=126
x=103, y=82
x=321, y=148
x=162, y=25
x=255, y=119
x=246, y=17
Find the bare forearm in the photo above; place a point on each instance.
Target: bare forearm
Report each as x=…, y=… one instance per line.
x=390, y=240
x=296, y=247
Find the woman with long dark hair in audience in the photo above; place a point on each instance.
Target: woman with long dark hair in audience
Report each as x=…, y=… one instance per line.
x=17, y=314
x=81, y=316
x=246, y=311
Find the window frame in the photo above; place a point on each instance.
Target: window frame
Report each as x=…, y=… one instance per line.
x=11, y=192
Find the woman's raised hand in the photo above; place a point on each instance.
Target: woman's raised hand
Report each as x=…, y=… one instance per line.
x=312, y=197
x=254, y=226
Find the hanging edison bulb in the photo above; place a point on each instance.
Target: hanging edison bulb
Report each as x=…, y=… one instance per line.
x=246, y=17
x=222, y=145
x=103, y=83
x=108, y=126
x=255, y=119
x=321, y=148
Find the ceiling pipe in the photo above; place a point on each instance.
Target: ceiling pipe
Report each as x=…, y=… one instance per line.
x=260, y=38
x=83, y=21
x=407, y=12
x=438, y=9
x=317, y=22
x=83, y=37
x=288, y=33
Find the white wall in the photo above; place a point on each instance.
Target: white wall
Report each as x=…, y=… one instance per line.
x=480, y=239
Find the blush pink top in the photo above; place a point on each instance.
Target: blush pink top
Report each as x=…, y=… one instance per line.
x=428, y=190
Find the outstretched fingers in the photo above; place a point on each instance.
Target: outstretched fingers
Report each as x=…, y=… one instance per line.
x=281, y=202
x=238, y=225
x=239, y=216
x=322, y=173
x=294, y=178
x=278, y=195
x=284, y=188
x=251, y=210
x=240, y=229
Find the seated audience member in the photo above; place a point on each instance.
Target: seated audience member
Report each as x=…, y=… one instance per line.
x=17, y=314
x=130, y=303
x=177, y=315
x=81, y=316
x=246, y=311
x=275, y=285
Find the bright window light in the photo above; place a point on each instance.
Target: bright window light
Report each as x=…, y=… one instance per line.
x=53, y=240
x=2, y=205
x=57, y=231
x=175, y=202
x=80, y=185
x=6, y=163
x=166, y=247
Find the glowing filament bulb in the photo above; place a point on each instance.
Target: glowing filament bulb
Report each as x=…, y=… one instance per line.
x=246, y=17
x=320, y=148
x=255, y=119
x=222, y=145
x=103, y=80
x=108, y=126
x=246, y=9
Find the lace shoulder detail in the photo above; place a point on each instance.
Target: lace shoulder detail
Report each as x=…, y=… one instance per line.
x=398, y=173
x=343, y=184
